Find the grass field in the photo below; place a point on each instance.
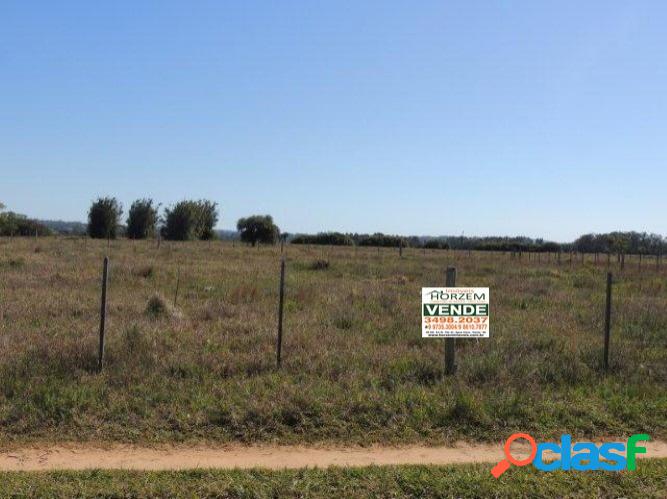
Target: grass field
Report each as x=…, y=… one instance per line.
x=405, y=481
x=355, y=368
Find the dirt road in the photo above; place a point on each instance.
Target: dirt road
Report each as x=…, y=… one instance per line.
x=78, y=457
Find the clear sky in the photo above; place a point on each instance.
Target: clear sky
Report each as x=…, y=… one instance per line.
x=419, y=117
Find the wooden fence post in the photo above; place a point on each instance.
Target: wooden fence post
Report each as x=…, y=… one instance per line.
x=279, y=343
x=607, y=322
x=178, y=283
x=450, y=343
x=103, y=313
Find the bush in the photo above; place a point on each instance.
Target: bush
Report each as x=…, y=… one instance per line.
x=379, y=239
x=13, y=224
x=104, y=218
x=327, y=238
x=141, y=219
x=158, y=306
x=435, y=244
x=319, y=265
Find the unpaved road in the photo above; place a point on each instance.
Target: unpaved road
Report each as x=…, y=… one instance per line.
x=79, y=457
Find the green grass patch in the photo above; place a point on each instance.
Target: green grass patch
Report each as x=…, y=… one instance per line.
x=462, y=481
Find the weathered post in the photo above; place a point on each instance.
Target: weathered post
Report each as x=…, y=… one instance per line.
x=450, y=343
x=607, y=322
x=400, y=248
x=103, y=313
x=178, y=282
x=279, y=343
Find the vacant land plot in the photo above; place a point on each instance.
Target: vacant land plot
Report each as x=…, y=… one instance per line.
x=355, y=368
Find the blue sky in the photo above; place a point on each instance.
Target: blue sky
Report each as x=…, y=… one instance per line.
x=432, y=117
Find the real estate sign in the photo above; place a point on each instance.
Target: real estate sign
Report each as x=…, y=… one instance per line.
x=455, y=312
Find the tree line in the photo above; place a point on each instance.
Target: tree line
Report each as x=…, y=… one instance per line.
x=15, y=224
x=612, y=242
x=190, y=220
x=187, y=220
x=635, y=243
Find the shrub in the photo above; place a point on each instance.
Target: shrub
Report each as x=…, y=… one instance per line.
x=319, y=265
x=435, y=244
x=158, y=306
x=14, y=224
x=384, y=240
x=327, y=238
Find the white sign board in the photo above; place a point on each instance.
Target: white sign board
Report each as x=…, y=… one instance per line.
x=455, y=312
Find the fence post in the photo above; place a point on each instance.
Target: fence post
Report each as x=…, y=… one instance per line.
x=103, y=313
x=450, y=343
x=178, y=283
x=279, y=343
x=607, y=322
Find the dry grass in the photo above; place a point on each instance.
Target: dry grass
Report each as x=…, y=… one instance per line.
x=355, y=368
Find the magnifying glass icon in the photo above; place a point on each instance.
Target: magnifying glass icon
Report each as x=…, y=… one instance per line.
x=504, y=465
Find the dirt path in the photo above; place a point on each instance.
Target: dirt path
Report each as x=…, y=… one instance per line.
x=177, y=458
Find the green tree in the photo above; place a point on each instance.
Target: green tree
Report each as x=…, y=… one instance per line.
x=258, y=229
x=189, y=220
x=208, y=217
x=15, y=224
x=141, y=219
x=104, y=218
